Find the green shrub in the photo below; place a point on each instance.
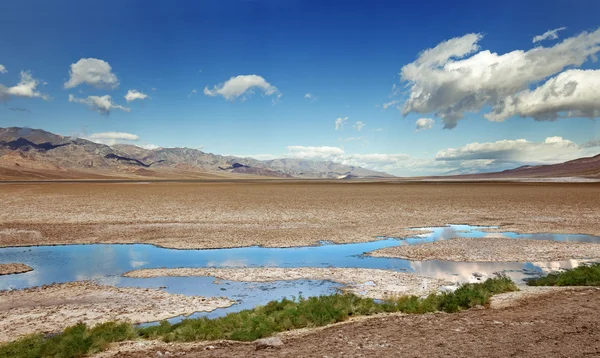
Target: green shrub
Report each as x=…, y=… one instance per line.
x=585, y=275
x=249, y=325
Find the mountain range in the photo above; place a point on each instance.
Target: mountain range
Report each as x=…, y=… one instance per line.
x=37, y=154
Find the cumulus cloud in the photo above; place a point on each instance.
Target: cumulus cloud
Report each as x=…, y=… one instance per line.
x=309, y=96
x=339, y=123
x=455, y=78
x=243, y=85
x=2, y=69
x=573, y=93
x=424, y=124
x=92, y=71
x=374, y=161
x=359, y=125
x=548, y=35
x=314, y=153
x=552, y=150
x=132, y=95
x=100, y=104
x=27, y=87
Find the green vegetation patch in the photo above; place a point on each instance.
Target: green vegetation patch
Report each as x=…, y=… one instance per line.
x=249, y=325
x=75, y=341
x=585, y=275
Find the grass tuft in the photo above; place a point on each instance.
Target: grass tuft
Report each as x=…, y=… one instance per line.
x=585, y=275
x=249, y=325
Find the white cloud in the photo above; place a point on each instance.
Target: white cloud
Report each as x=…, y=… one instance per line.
x=551, y=150
x=132, y=95
x=359, y=126
x=192, y=92
x=390, y=103
x=309, y=96
x=100, y=104
x=378, y=129
x=242, y=85
x=424, y=124
x=3, y=69
x=114, y=135
x=350, y=139
x=374, y=161
x=92, y=71
x=446, y=82
x=548, y=35
x=314, y=153
x=573, y=93
x=149, y=146
x=339, y=123
x=27, y=87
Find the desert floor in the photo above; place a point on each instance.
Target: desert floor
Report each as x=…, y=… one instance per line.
x=284, y=213
x=281, y=213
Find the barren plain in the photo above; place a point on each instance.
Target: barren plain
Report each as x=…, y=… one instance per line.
x=282, y=213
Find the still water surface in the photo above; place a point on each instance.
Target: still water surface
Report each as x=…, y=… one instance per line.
x=106, y=264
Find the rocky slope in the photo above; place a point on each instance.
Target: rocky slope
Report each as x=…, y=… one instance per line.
x=36, y=154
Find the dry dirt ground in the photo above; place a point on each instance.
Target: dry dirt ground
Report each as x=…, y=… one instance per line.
x=557, y=324
x=493, y=249
x=281, y=213
x=14, y=268
x=52, y=308
x=372, y=283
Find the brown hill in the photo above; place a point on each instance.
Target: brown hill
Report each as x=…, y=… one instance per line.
x=37, y=154
x=588, y=167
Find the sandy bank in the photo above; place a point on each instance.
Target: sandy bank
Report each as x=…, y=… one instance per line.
x=372, y=283
x=493, y=249
x=14, y=268
x=55, y=307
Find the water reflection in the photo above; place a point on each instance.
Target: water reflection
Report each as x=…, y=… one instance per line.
x=107, y=263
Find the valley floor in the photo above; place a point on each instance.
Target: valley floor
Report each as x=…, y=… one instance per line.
x=283, y=213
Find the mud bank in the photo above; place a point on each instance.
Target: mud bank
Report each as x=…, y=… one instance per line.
x=52, y=308
x=493, y=249
x=373, y=283
x=14, y=268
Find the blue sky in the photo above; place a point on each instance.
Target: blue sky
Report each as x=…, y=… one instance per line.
x=346, y=54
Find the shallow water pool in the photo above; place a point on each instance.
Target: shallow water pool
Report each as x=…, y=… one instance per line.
x=106, y=264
